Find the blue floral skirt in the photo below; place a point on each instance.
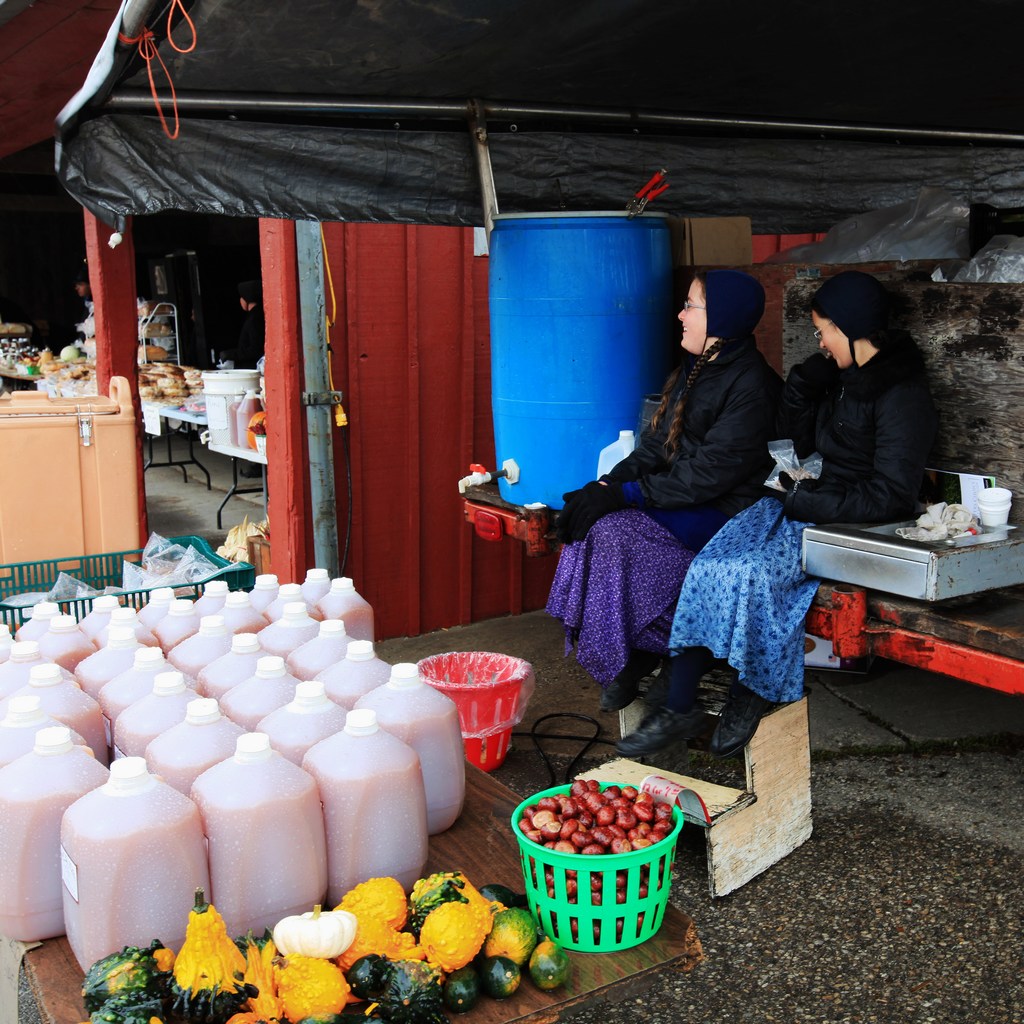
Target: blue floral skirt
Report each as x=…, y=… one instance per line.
x=745, y=599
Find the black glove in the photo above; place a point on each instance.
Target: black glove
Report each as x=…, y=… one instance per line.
x=819, y=371
x=786, y=481
x=594, y=501
x=563, y=519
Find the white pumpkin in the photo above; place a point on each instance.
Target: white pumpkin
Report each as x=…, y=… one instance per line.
x=317, y=934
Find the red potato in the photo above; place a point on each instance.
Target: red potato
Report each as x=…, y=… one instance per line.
x=594, y=802
x=662, y=811
x=534, y=835
x=617, y=831
x=606, y=815
x=612, y=791
x=622, y=845
x=643, y=811
x=603, y=835
x=569, y=827
x=640, y=843
x=626, y=819
x=551, y=829
x=542, y=817
x=586, y=819
x=580, y=838
x=592, y=850
x=578, y=788
x=564, y=846
x=593, y=785
x=568, y=808
x=630, y=792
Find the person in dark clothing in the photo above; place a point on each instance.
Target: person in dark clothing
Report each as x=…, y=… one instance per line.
x=863, y=403
x=630, y=537
x=252, y=336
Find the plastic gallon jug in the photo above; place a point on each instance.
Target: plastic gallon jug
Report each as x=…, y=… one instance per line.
x=429, y=722
x=117, y=656
x=212, y=599
x=63, y=699
x=232, y=668
x=363, y=767
x=258, y=800
x=358, y=673
x=126, y=618
x=290, y=631
x=39, y=620
x=289, y=593
x=305, y=721
x=316, y=585
x=131, y=685
x=157, y=607
x=180, y=622
x=244, y=411
x=132, y=856
x=240, y=616
x=35, y=791
x=181, y=754
x=264, y=591
x=613, y=454
x=22, y=720
x=195, y=652
x=154, y=714
x=327, y=648
x=342, y=601
x=65, y=643
x=99, y=615
x=270, y=687
x=6, y=642
x=15, y=670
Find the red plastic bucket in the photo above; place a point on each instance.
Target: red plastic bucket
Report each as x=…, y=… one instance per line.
x=491, y=692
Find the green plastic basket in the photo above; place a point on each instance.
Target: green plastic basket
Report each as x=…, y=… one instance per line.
x=101, y=571
x=593, y=921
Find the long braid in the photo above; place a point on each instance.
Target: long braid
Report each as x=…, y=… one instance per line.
x=676, y=430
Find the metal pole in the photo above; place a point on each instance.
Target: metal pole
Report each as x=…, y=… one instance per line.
x=318, y=416
x=488, y=193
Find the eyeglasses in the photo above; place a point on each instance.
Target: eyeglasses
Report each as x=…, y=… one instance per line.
x=818, y=330
x=692, y=305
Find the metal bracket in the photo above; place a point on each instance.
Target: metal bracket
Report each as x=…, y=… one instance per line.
x=321, y=398
x=84, y=428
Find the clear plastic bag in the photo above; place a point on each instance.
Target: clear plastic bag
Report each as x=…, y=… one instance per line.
x=787, y=461
x=69, y=588
x=999, y=261
x=165, y=564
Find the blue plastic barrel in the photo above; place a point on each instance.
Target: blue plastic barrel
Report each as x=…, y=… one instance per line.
x=581, y=330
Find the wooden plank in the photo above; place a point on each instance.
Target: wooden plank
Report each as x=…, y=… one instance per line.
x=482, y=845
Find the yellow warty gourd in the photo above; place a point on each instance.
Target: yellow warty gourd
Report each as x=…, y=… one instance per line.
x=453, y=934
x=378, y=897
x=308, y=986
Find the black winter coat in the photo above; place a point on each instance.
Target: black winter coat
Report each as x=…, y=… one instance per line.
x=722, y=459
x=874, y=427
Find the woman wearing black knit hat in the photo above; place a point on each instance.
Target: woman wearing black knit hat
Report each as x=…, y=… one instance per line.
x=863, y=403
x=631, y=536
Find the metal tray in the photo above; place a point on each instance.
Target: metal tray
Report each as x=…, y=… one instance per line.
x=874, y=557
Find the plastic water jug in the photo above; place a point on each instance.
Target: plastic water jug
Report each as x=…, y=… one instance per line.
x=244, y=411
x=316, y=585
x=131, y=685
x=132, y=856
x=258, y=800
x=14, y=672
x=365, y=767
x=65, y=643
x=357, y=674
x=232, y=668
x=342, y=601
x=39, y=620
x=290, y=631
x=270, y=687
x=6, y=642
x=126, y=618
x=138, y=725
x=289, y=593
x=305, y=721
x=180, y=622
x=195, y=652
x=264, y=591
x=23, y=719
x=94, y=672
x=35, y=791
x=212, y=599
x=429, y=722
x=157, y=607
x=327, y=648
x=181, y=754
x=239, y=614
x=99, y=615
x=611, y=455
x=64, y=700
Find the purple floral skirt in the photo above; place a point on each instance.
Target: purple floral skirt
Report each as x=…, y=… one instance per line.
x=616, y=591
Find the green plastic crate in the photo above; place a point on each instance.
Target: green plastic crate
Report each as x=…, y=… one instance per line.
x=106, y=570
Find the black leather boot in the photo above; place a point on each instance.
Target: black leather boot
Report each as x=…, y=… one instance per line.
x=741, y=716
x=660, y=729
x=623, y=689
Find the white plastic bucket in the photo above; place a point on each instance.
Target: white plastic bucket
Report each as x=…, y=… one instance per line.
x=222, y=387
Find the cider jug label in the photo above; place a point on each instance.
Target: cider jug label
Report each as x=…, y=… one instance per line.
x=69, y=873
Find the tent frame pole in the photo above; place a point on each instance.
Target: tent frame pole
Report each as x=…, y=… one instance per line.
x=482, y=152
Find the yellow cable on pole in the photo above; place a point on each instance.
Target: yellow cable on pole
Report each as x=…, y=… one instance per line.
x=340, y=417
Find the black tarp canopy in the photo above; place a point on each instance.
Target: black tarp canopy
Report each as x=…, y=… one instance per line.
x=795, y=113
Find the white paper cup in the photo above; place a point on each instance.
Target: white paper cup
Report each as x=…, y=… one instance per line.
x=994, y=506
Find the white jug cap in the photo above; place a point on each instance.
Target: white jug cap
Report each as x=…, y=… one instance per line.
x=202, y=711
x=54, y=739
x=266, y=581
x=121, y=616
x=296, y=614
x=45, y=675
x=245, y=643
x=342, y=585
x=316, y=575
x=167, y=683
x=332, y=628
x=309, y=695
x=405, y=676
x=162, y=595
x=63, y=624
x=361, y=722
x=360, y=650
x=122, y=638
x=24, y=710
x=24, y=650
x=148, y=658
x=292, y=591
x=216, y=587
x=237, y=599
x=180, y=606
x=251, y=747
x=128, y=775
x=270, y=666
x=105, y=603
x=44, y=610
x=212, y=625
x=625, y=435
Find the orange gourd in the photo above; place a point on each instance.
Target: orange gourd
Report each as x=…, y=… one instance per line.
x=250, y=435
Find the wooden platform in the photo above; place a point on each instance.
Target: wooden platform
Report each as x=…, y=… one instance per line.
x=481, y=844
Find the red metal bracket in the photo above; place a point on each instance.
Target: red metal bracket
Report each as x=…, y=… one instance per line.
x=492, y=522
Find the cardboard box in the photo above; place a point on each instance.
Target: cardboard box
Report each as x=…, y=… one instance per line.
x=818, y=654
x=711, y=242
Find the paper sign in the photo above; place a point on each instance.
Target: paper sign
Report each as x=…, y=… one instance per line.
x=151, y=419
